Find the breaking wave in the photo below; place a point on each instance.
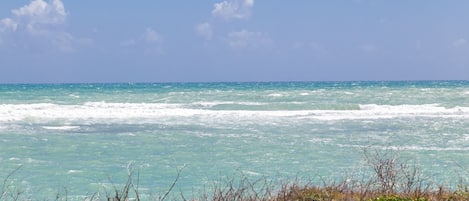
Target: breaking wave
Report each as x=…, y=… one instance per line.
x=97, y=111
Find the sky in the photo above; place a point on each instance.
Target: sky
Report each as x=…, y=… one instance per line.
x=69, y=41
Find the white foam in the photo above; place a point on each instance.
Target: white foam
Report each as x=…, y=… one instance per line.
x=61, y=127
x=411, y=148
x=74, y=171
x=93, y=112
x=74, y=96
x=373, y=111
x=128, y=134
x=251, y=173
x=275, y=95
x=216, y=103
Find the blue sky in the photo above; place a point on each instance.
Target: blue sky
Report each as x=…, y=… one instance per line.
x=57, y=41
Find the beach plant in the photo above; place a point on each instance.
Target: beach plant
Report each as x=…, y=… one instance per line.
x=397, y=198
x=393, y=175
x=9, y=191
x=239, y=188
x=130, y=190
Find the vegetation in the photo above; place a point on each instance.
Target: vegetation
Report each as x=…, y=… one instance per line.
x=391, y=180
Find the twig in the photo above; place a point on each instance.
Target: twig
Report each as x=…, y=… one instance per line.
x=6, y=180
x=173, y=184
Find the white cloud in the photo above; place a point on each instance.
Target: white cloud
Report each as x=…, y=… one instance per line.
x=233, y=9
x=460, y=42
x=247, y=39
x=8, y=24
x=204, y=30
x=151, y=36
x=41, y=21
x=38, y=15
x=228, y=10
x=66, y=42
x=150, y=41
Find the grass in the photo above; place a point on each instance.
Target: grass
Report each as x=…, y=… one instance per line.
x=391, y=179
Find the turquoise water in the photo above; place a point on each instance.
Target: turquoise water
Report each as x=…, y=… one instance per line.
x=82, y=136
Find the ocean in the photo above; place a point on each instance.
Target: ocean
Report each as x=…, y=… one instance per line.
x=81, y=138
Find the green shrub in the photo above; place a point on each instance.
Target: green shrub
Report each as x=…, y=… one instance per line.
x=397, y=198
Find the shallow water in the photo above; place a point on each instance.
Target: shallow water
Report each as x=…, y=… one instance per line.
x=82, y=136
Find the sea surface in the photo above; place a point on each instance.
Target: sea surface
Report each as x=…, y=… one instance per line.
x=79, y=139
